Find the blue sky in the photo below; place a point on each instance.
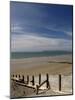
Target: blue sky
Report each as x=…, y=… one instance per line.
x=38, y=27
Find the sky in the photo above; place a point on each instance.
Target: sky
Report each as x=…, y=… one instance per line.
x=40, y=27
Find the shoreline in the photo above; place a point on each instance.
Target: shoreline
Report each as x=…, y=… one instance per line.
x=49, y=58
x=43, y=56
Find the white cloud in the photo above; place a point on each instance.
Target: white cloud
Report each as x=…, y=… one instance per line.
x=69, y=33
x=35, y=43
x=52, y=27
x=24, y=42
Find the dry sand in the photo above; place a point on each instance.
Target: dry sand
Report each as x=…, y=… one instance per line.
x=42, y=65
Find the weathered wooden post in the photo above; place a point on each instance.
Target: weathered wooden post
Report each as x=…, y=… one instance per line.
x=59, y=82
x=13, y=75
x=47, y=81
x=39, y=79
x=27, y=79
x=22, y=78
x=16, y=75
x=33, y=83
x=19, y=76
x=36, y=89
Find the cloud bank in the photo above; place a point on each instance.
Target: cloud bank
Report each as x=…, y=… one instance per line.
x=35, y=43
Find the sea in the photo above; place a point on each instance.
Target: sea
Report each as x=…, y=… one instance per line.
x=19, y=55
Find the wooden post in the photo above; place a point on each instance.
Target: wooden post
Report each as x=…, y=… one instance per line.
x=16, y=75
x=47, y=80
x=59, y=82
x=22, y=78
x=19, y=76
x=36, y=89
x=39, y=79
x=27, y=79
x=32, y=80
x=13, y=75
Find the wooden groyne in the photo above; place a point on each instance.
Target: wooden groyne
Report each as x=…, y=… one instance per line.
x=25, y=81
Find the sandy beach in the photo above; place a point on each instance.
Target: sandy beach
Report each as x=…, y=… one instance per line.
x=34, y=66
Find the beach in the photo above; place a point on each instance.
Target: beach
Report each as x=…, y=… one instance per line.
x=54, y=66
x=36, y=65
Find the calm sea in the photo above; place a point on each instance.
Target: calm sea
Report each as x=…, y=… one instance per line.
x=18, y=55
